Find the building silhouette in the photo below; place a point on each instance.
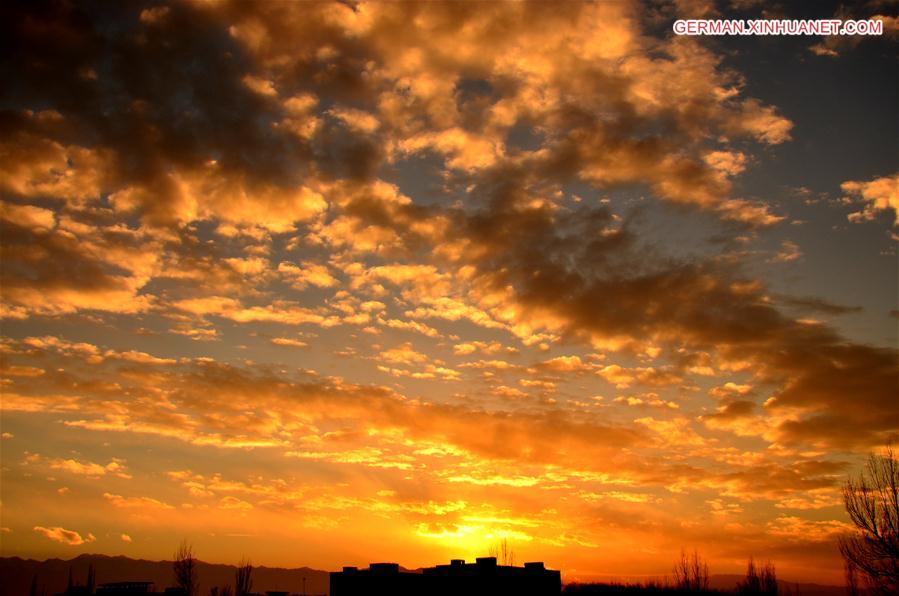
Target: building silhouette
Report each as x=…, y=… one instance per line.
x=482, y=578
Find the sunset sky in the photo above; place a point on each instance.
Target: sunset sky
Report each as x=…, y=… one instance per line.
x=330, y=283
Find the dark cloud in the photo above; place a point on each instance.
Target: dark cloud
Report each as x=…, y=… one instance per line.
x=732, y=410
x=163, y=98
x=53, y=270
x=819, y=305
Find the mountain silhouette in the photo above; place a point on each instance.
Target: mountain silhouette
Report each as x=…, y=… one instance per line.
x=729, y=581
x=17, y=574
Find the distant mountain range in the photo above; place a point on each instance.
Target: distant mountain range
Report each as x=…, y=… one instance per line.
x=53, y=574
x=729, y=582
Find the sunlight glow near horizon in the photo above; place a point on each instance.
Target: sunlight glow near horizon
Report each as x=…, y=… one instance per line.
x=326, y=285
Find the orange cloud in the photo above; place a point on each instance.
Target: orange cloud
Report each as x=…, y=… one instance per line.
x=69, y=537
x=876, y=196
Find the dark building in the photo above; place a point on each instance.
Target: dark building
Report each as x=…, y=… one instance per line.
x=482, y=578
x=379, y=578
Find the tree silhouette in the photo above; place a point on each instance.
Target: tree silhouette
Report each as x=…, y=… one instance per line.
x=691, y=573
x=503, y=552
x=91, y=579
x=185, y=569
x=872, y=502
x=851, y=579
x=758, y=582
x=217, y=591
x=243, y=580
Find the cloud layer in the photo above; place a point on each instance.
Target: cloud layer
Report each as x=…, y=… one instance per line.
x=413, y=270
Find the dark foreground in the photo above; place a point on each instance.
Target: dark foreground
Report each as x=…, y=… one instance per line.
x=17, y=576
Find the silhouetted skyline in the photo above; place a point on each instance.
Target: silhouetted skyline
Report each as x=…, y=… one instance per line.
x=326, y=283
x=156, y=577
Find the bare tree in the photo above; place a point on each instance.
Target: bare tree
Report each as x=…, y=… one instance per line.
x=769, y=580
x=243, y=580
x=872, y=502
x=503, y=552
x=506, y=552
x=691, y=573
x=851, y=580
x=759, y=581
x=184, y=566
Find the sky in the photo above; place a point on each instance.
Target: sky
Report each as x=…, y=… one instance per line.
x=331, y=283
